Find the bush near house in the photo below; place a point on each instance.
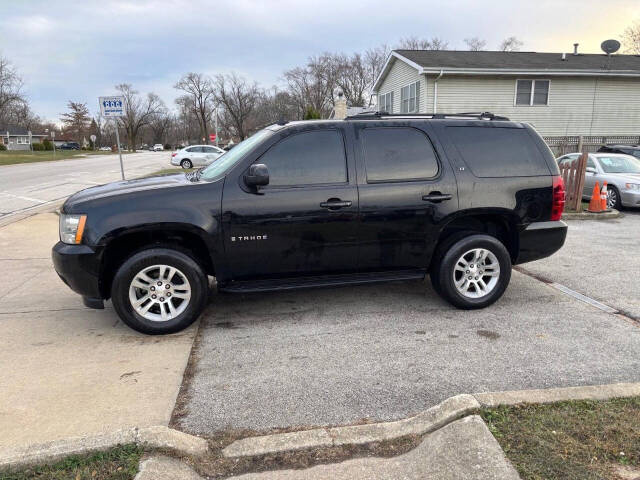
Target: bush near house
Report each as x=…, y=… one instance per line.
x=2, y=147
x=38, y=147
x=48, y=145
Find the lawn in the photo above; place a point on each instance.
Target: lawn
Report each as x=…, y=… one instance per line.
x=580, y=440
x=13, y=157
x=118, y=463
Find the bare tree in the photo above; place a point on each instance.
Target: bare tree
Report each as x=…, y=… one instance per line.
x=510, y=44
x=199, y=89
x=631, y=39
x=159, y=126
x=475, y=44
x=351, y=77
x=313, y=85
x=76, y=120
x=374, y=60
x=139, y=111
x=12, y=100
x=415, y=43
x=238, y=99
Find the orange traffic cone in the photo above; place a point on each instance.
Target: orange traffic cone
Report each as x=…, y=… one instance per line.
x=595, y=205
x=604, y=196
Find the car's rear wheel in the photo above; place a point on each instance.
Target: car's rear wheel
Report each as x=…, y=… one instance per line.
x=474, y=272
x=613, y=197
x=159, y=290
x=186, y=164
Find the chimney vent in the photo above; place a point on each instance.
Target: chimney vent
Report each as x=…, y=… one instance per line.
x=575, y=48
x=564, y=56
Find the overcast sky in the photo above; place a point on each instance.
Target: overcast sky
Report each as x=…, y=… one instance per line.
x=78, y=50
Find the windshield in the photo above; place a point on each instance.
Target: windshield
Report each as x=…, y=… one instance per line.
x=619, y=164
x=233, y=156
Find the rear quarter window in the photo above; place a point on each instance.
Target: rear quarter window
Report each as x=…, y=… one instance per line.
x=498, y=152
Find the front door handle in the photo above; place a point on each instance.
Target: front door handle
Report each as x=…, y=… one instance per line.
x=437, y=197
x=335, y=203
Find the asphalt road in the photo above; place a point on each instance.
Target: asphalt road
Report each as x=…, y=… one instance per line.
x=33, y=186
x=334, y=356
x=601, y=260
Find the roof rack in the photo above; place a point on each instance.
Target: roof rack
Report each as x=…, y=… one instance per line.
x=435, y=116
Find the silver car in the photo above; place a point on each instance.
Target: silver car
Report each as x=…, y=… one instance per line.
x=621, y=172
x=196, y=156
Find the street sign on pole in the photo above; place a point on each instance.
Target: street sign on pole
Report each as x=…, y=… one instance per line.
x=93, y=141
x=212, y=136
x=113, y=107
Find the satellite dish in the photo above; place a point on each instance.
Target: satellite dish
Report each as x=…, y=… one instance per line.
x=610, y=46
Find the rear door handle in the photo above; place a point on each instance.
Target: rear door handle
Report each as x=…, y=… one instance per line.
x=335, y=203
x=437, y=197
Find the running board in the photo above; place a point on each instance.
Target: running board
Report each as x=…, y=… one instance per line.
x=249, y=286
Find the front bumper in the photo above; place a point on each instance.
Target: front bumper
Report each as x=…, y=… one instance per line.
x=79, y=267
x=630, y=198
x=540, y=240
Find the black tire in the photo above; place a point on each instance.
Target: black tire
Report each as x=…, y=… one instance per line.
x=444, y=271
x=159, y=256
x=186, y=164
x=613, y=198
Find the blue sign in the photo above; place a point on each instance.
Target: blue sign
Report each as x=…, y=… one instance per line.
x=112, y=106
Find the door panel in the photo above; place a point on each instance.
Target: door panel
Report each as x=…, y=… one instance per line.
x=287, y=229
x=399, y=211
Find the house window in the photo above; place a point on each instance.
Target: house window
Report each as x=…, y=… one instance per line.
x=385, y=102
x=409, y=98
x=532, y=92
x=23, y=141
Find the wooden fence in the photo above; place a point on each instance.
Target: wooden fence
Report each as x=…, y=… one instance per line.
x=587, y=143
x=573, y=175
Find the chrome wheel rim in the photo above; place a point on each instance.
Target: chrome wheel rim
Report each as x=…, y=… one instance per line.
x=159, y=293
x=612, y=198
x=476, y=273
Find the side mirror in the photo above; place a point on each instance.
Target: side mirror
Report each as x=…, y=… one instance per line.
x=257, y=175
x=591, y=170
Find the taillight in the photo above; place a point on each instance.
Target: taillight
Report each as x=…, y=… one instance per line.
x=174, y=154
x=557, y=205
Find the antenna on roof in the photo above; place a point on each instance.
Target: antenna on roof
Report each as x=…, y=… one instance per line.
x=610, y=46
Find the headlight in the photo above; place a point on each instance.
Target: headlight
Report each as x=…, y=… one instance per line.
x=72, y=228
x=632, y=186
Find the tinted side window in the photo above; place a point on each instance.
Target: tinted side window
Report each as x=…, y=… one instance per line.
x=307, y=158
x=398, y=154
x=499, y=152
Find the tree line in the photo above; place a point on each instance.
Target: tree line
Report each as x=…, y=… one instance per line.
x=239, y=105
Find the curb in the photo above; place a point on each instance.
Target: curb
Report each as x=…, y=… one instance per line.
x=428, y=421
x=432, y=419
x=154, y=437
x=592, y=216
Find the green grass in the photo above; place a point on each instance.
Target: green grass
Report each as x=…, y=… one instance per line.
x=13, y=157
x=580, y=440
x=118, y=463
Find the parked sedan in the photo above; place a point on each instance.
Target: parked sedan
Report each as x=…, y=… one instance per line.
x=158, y=147
x=196, y=156
x=621, y=172
x=69, y=146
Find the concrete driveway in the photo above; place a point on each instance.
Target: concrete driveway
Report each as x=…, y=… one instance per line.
x=67, y=370
x=32, y=186
x=334, y=356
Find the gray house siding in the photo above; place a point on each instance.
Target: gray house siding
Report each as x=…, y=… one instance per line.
x=578, y=105
x=400, y=75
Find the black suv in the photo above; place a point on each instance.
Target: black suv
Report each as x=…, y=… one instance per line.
x=69, y=146
x=626, y=149
x=371, y=198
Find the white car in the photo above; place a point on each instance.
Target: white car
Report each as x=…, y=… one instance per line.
x=196, y=156
x=104, y=149
x=158, y=147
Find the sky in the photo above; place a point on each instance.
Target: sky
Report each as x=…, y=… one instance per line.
x=78, y=50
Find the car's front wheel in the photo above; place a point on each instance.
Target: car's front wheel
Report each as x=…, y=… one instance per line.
x=473, y=272
x=159, y=290
x=186, y=164
x=613, y=198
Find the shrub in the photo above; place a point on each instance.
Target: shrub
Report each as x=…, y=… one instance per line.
x=37, y=147
x=167, y=146
x=48, y=145
x=311, y=114
x=3, y=147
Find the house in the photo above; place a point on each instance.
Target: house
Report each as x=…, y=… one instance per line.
x=17, y=138
x=560, y=94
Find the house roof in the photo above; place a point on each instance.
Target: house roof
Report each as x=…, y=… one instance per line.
x=514, y=63
x=15, y=130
